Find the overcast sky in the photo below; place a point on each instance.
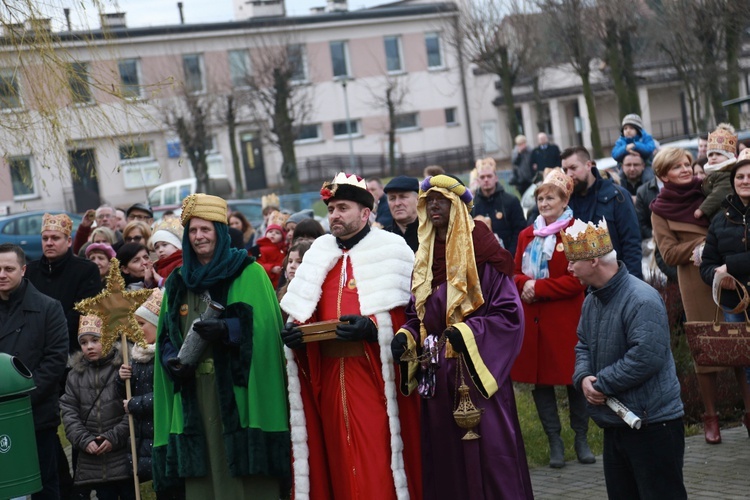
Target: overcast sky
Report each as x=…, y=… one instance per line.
x=161, y=12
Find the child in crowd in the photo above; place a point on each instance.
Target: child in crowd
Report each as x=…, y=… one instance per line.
x=291, y=263
x=141, y=404
x=95, y=422
x=272, y=251
x=633, y=138
x=722, y=155
x=167, y=244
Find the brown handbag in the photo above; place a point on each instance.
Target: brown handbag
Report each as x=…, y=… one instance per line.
x=718, y=343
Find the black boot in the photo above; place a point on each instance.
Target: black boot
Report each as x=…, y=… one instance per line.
x=546, y=406
x=579, y=422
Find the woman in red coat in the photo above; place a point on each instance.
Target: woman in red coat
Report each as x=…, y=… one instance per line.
x=552, y=300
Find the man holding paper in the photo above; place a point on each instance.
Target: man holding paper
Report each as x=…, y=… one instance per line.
x=623, y=352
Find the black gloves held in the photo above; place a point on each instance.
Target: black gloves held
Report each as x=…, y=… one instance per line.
x=292, y=336
x=398, y=346
x=456, y=340
x=212, y=329
x=357, y=328
x=178, y=370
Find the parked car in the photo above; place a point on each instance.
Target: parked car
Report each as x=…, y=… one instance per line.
x=25, y=230
x=251, y=208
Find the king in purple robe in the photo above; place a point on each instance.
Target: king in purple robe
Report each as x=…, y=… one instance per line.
x=464, y=324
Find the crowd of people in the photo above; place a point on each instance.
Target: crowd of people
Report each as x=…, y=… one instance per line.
x=379, y=355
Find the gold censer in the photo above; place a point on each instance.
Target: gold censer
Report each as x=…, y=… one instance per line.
x=466, y=415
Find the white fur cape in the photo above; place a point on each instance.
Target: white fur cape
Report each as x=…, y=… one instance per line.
x=382, y=264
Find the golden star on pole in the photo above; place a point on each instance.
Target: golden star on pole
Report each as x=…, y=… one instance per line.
x=116, y=307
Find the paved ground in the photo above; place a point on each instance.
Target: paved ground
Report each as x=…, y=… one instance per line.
x=711, y=472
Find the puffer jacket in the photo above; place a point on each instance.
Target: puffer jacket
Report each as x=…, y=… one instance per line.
x=623, y=340
x=92, y=407
x=727, y=243
x=141, y=406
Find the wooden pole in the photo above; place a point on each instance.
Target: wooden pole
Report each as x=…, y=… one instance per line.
x=128, y=395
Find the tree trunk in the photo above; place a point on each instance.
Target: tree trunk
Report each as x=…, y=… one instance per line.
x=284, y=129
x=733, y=43
x=628, y=67
x=239, y=188
x=612, y=55
x=588, y=95
x=507, y=80
x=541, y=115
x=391, y=105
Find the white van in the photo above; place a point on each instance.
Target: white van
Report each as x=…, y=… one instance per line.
x=172, y=193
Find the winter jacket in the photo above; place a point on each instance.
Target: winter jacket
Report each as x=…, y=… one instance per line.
x=505, y=212
x=271, y=255
x=644, y=145
x=727, y=243
x=141, y=406
x=545, y=157
x=624, y=341
x=92, y=407
x=383, y=212
x=67, y=279
x=32, y=328
x=605, y=199
x=716, y=186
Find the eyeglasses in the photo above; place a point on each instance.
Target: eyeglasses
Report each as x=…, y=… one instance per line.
x=131, y=239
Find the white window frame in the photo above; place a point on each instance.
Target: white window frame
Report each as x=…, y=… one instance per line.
x=455, y=117
x=201, y=67
x=399, y=50
x=347, y=65
x=12, y=73
x=441, y=52
x=311, y=140
x=142, y=171
x=74, y=74
x=32, y=175
x=240, y=81
x=356, y=129
x=416, y=126
x=303, y=60
x=126, y=89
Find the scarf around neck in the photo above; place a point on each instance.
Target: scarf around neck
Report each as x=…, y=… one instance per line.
x=225, y=262
x=677, y=202
x=538, y=252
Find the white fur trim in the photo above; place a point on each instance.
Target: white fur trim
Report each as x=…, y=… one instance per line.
x=382, y=264
x=709, y=169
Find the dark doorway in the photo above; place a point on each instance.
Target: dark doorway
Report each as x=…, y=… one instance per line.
x=85, y=183
x=252, y=161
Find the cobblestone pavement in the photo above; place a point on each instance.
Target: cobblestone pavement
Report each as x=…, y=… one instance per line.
x=710, y=471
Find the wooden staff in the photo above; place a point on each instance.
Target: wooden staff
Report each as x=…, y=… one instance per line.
x=128, y=395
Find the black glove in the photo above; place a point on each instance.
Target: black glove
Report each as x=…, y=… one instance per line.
x=398, y=346
x=292, y=336
x=212, y=329
x=178, y=370
x=357, y=328
x=456, y=340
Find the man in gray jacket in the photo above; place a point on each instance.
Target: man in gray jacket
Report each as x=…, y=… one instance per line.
x=623, y=351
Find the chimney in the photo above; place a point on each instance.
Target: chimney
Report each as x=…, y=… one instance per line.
x=182, y=14
x=66, y=11
x=41, y=24
x=113, y=20
x=337, y=6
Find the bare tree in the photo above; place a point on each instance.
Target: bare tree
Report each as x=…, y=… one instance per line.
x=571, y=23
x=391, y=97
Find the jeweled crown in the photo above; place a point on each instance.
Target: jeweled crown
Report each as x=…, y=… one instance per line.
x=584, y=241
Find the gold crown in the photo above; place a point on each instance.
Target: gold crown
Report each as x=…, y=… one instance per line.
x=270, y=200
x=90, y=325
x=485, y=163
x=584, y=241
x=204, y=206
x=153, y=303
x=556, y=177
x=171, y=225
x=278, y=218
x=722, y=139
x=59, y=222
x=744, y=155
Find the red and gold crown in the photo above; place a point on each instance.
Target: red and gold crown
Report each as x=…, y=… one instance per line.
x=584, y=241
x=722, y=140
x=90, y=325
x=59, y=222
x=150, y=309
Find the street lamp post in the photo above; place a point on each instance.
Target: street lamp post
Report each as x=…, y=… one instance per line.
x=344, y=81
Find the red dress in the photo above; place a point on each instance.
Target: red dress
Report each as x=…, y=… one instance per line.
x=548, y=353
x=271, y=255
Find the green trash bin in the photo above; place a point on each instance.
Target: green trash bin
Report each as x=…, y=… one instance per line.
x=19, y=463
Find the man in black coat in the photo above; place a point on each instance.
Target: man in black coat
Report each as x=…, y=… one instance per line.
x=61, y=275
x=503, y=209
x=402, y=194
x=382, y=212
x=33, y=329
x=545, y=155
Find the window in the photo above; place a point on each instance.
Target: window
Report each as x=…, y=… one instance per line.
x=21, y=177
x=308, y=133
x=192, y=66
x=339, y=128
x=239, y=67
x=138, y=165
x=393, y=59
x=406, y=121
x=434, y=53
x=297, y=62
x=339, y=59
x=450, y=116
x=10, y=93
x=78, y=79
x=130, y=78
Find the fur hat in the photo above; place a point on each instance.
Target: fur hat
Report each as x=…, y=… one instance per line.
x=633, y=120
x=89, y=325
x=723, y=140
x=204, y=206
x=59, y=222
x=347, y=187
x=149, y=310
